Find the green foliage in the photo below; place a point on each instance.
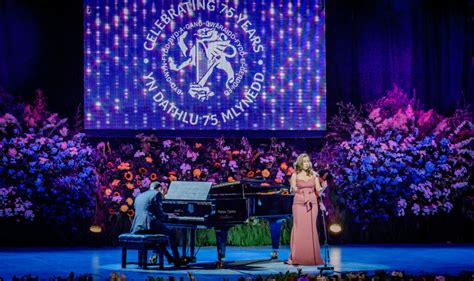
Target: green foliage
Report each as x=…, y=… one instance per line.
x=254, y=233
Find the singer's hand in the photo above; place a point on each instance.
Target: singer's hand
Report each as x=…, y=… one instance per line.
x=324, y=184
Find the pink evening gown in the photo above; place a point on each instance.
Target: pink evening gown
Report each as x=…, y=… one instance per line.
x=304, y=244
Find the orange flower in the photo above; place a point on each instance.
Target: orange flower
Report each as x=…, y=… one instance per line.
x=290, y=171
x=265, y=173
x=116, y=193
x=148, y=159
x=128, y=176
x=111, y=211
x=115, y=183
x=230, y=179
x=153, y=176
x=250, y=174
x=129, y=185
x=283, y=166
x=142, y=170
x=129, y=201
x=124, y=208
x=264, y=184
x=172, y=178
x=278, y=180
x=110, y=164
x=217, y=165
x=108, y=191
x=139, y=182
x=131, y=213
x=197, y=173
x=197, y=145
x=172, y=173
x=124, y=166
x=235, y=152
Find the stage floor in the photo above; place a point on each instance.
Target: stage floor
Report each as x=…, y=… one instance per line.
x=242, y=261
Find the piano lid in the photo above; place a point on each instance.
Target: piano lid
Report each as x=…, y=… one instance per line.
x=188, y=190
x=248, y=187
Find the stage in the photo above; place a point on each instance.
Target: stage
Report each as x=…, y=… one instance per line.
x=242, y=261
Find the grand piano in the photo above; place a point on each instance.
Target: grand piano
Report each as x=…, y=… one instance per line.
x=222, y=206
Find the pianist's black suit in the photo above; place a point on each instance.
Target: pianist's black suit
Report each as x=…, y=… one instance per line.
x=149, y=218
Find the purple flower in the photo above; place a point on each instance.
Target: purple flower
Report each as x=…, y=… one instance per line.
x=185, y=167
x=167, y=143
x=139, y=154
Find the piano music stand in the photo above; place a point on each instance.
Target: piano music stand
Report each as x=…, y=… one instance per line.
x=327, y=261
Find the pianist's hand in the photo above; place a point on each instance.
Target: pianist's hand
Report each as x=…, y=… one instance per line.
x=172, y=216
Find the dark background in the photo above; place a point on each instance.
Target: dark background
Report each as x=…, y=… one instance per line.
x=421, y=45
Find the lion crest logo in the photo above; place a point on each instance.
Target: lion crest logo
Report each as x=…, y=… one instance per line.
x=209, y=50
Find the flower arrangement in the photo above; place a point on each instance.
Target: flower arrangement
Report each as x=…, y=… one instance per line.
x=12, y=206
x=393, y=159
x=129, y=170
x=46, y=171
x=389, y=158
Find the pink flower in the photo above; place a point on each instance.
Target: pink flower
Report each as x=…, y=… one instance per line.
x=373, y=158
x=375, y=115
x=358, y=127
x=73, y=151
x=101, y=145
x=409, y=112
x=442, y=126
x=191, y=154
x=358, y=147
x=63, y=145
x=345, y=145
x=12, y=152
x=424, y=117
x=63, y=131
x=53, y=119
x=392, y=144
x=124, y=166
x=43, y=160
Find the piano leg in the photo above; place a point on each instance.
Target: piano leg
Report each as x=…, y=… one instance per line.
x=192, y=245
x=221, y=240
x=192, y=241
x=185, y=242
x=275, y=230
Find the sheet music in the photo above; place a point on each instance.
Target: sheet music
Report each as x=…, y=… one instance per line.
x=188, y=190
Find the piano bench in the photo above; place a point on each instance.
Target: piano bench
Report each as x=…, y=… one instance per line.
x=143, y=243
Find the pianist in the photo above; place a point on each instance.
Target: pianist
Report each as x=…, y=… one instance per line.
x=149, y=218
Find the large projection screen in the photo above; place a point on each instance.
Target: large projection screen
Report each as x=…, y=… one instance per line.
x=205, y=67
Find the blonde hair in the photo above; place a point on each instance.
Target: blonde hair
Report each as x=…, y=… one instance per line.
x=299, y=164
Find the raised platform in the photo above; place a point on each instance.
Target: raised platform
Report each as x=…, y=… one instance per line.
x=246, y=261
